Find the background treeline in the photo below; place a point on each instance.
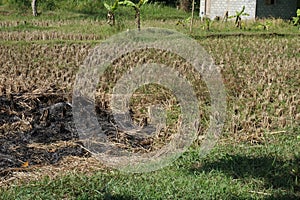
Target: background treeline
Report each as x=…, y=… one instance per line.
x=70, y=5
x=83, y=5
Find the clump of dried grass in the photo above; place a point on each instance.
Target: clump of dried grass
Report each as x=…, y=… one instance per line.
x=261, y=77
x=262, y=80
x=47, y=36
x=30, y=67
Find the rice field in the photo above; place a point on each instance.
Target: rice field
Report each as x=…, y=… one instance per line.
x=261, y=73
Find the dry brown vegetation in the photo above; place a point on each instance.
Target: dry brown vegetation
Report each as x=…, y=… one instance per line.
x=51, y=35
x=31, y=67
x=262, y=80
x=261, y=75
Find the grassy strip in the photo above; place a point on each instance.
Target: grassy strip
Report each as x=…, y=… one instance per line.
x=149, y=12
x=152, y=15
x=230, y=171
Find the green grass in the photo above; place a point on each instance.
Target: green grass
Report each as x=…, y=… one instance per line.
x=229, y=171
x=152, y=15
x=148, y=11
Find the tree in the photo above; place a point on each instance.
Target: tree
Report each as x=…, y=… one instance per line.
x=185, y=5
x=137, y=8
x=111, y=12
x=192, y=19
x=34, y=8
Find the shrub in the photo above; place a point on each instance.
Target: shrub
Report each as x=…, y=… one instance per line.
x=88, y=6
x=17, y=4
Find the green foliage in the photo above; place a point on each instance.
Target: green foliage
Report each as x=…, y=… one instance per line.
x=239, y=14
x=265, y=25
x=137, y=8
x=242, y=12
x=134, y=5
x=112, y=7
x=128, y=3
x=17, y=4
x=48, y=4
x=88, y=6
x=141, y=3
x=208, y=23
x=238, y=17
x=184, y=22
x=296, y=20
x=111, y=12
x=161, y=12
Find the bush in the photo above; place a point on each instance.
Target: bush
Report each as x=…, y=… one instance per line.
x=47, y=4
x=88, y=6
x=17, y=4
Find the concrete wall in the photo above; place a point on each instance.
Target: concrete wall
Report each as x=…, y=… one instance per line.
x=202, y=8
x=255, y=8
x=219, y=7
x=281, y=9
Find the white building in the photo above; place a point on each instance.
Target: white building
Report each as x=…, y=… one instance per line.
x=255, y=8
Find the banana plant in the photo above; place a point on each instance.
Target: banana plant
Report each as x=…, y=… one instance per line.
x=111, y=12
x=184, y=22
x=296, y=20
x=208, y=23
x=265, y=25
x=238, y=17
x=137, y=8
